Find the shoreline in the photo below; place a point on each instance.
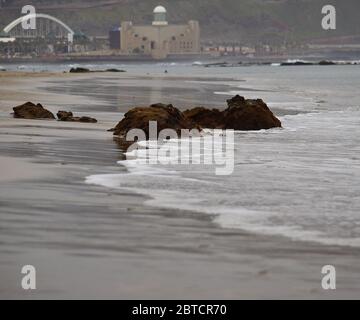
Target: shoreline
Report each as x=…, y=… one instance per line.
x=41, y=89
x=246, y=275
x=319, y=55
x=89, y=242
x=46, y=78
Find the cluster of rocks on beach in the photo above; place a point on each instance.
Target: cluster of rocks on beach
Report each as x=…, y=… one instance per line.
x=240, y=114
x=33, y=111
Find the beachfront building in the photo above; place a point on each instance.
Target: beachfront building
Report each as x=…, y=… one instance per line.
x=161, y=38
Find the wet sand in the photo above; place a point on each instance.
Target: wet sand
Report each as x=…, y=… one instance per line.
x=88, y=242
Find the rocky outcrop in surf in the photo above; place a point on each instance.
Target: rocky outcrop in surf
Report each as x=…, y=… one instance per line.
x=166, y=116
x=31, y=110
x=241, y=114
x=248, y=114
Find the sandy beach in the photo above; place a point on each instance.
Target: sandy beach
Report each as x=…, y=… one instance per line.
x=88, y=242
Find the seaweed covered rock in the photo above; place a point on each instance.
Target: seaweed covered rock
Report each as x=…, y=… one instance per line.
x=114, y=70
x=31, y=110
x=241, y=114
x=206, y=118
x=79, y=70
x=248, y=114
x=327, y=63
x=166, y=116
x=64, y=115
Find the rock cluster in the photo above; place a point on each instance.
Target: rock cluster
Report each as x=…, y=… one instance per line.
x=241, y=114
x=31, y=110
x=68, y=116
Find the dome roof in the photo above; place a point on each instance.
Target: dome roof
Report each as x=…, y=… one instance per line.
x=159, y=9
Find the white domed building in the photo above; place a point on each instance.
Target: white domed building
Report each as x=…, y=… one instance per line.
x=160, y=39
x=160, y=16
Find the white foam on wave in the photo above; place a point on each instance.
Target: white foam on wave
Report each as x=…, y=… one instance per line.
x=256, y=222
x=233, y=218
x=249, y=220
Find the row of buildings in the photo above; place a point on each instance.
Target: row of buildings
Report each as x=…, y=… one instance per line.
x=158, y=39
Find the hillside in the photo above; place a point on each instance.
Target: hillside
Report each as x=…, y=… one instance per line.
x=248, y=21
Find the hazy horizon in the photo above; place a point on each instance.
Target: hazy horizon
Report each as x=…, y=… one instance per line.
x=245, y=21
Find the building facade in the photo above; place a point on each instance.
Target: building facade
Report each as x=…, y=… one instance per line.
x=160, y=39
x=114, y=39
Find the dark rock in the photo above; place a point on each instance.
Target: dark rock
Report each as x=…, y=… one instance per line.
x=296, y=63
x=236, y=102
x=63, y=115
x=114, y=70
x=241, y=114
x=79, y=70
x=30, y=110
x=68, y=116
x=217, y=64
x=326, y=63
x=206, y=118
x=167, y=117
x=84, y=119
x=249, y=114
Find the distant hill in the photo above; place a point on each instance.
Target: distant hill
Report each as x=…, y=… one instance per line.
x=247, y=21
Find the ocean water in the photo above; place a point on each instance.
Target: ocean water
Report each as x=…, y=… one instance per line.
x=301, y=182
